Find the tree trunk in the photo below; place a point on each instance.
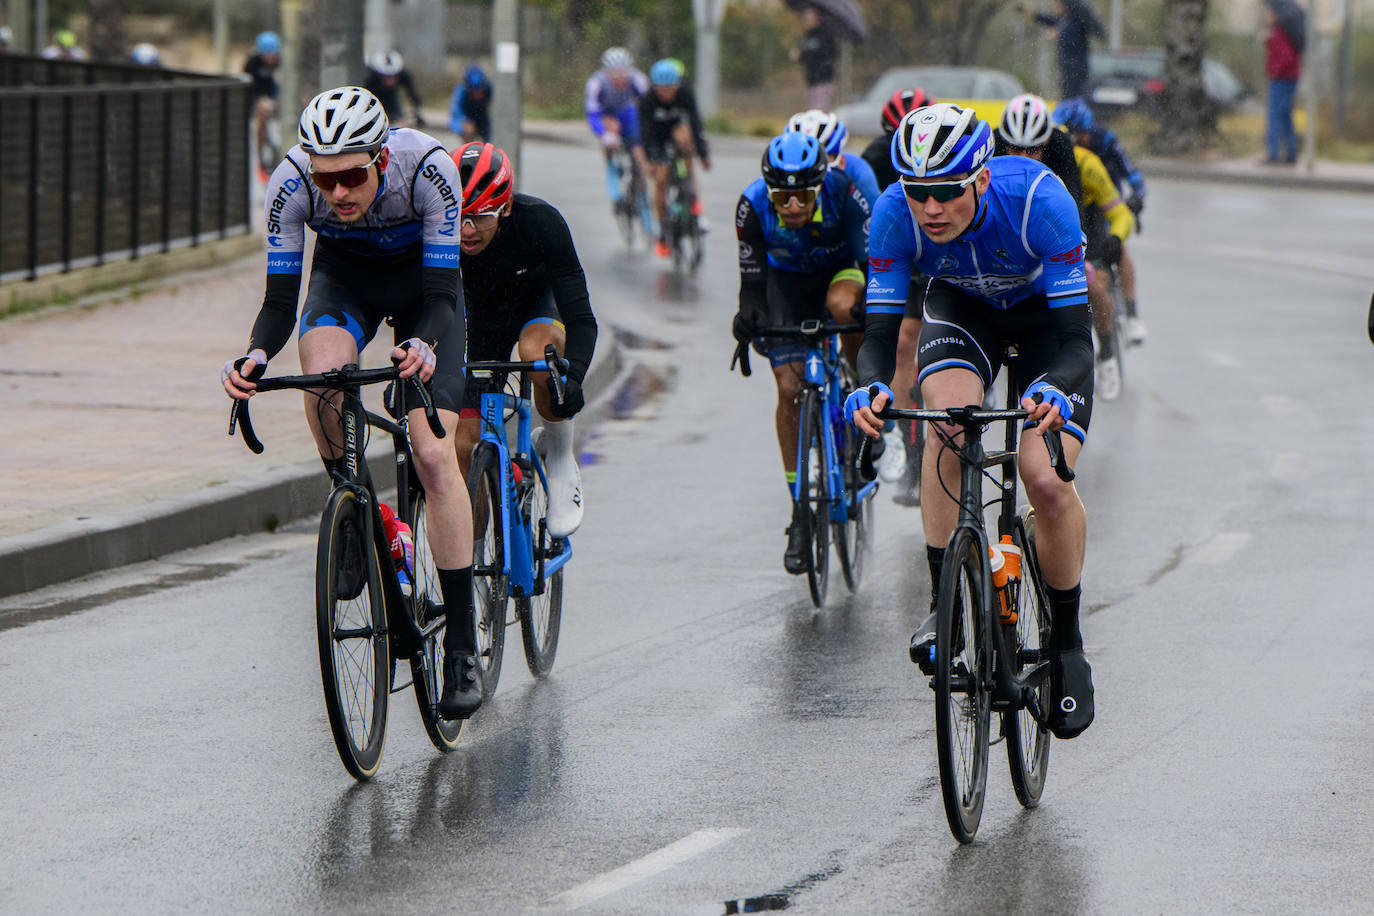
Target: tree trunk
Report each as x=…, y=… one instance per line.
x=107, y=30
x=1187, y=119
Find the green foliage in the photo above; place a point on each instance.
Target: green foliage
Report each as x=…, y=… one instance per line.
x=753, y=42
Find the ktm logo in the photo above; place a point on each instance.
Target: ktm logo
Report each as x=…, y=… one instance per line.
x=1072, y=256
x=881, y=264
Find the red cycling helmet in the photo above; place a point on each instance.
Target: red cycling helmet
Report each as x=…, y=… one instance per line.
x=488, y=182
x=903, y=102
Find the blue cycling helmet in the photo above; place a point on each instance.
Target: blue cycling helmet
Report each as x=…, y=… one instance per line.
x=475, y=77
x=941, y=139
x=268, y=43
x=1074, y=114
x=665, y=73
x=794, y=160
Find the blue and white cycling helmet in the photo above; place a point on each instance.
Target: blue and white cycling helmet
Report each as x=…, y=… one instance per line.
x=665, y=73
x=940, y=139
x=268, y=43
x=794, y=160
x=617, y=58
x=822, y=125
x=1026, y=122
x=1074, y=114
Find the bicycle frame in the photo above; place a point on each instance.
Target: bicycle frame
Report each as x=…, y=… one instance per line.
x=822, y=374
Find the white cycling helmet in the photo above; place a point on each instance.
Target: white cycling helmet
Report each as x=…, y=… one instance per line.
x=344, y=120
x=822, y=125
x=1026, y=121
x=388, y=63
x=941, y=139
x=617, y=58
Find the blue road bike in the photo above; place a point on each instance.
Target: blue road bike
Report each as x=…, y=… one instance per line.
x=514, y=556
x=829, y=494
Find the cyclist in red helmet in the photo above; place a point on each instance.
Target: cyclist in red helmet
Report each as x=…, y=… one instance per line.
x=878, y=153
x=524, y=288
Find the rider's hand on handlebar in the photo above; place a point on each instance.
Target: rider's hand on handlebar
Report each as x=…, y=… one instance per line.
x=746, y=326
x=1048, y=406
x=414, y=356
x=238, y=376
x=862, y=414
x=610, y=140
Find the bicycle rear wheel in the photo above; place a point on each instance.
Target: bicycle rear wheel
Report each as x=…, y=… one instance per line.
x=425, y=605
x=540, y=615
x=963, y=702
x=853, y=536
x=1028, y=741
x=350, y=617
x=489, y=583
x=814, y=498
x=1119, y=338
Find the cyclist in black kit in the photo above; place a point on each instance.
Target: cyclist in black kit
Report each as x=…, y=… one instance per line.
x=668, y=121
x=387, y=76
x=524, y=287
x=384, y=205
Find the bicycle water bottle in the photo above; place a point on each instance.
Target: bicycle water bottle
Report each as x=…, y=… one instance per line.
x=1006, y=576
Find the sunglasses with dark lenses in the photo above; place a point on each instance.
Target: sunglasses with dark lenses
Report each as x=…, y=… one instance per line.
x=349, y=178
x=782, y=197
x=943, y=191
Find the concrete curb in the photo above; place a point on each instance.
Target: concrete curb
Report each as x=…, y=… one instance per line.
x=246, y=505
x=1293, y=178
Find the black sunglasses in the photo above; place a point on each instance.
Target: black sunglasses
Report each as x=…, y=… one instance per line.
x=349, y=178
x=943, y=191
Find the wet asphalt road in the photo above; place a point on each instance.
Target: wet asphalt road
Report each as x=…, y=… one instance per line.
x=706, y=734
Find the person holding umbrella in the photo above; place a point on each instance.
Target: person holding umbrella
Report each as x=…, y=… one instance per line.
x=824, y=22
x=1074, y=26
x=1283, y=65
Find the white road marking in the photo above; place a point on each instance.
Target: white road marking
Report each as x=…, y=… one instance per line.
x=659, y=861
x=1222, y=548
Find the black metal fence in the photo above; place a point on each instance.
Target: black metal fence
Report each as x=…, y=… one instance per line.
x=94, y=171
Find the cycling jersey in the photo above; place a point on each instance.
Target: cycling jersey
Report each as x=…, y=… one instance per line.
x=1099, y=192
x=390, y=95
x=530, y=258
x=657, y=119
x=862, y=174
x=262, y=78
x=412, y=225
x=878, y=155
x=1108, y=148
x=1024, y=242
x=463, y=105
x=605, y=98
x=1058, y=158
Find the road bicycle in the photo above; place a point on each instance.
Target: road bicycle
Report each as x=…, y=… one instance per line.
x=631, y=199
x=681, y=228
x=987, y=660
x=514, y=556
x=829, y=497
x=364, y=618
x=1119, y=339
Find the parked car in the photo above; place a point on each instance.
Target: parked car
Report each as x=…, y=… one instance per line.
x=985, y=90
x=1133, y=79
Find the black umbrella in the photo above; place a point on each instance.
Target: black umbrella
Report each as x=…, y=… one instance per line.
x=1292, y=20
x=843, y=13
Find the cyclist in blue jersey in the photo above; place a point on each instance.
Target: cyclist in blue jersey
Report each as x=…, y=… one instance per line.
x=830, y=130
x=803, y=238
x=469, y=108
x=612, y=108
x=1077, y=118
x=1000, y=240
x=385, y=207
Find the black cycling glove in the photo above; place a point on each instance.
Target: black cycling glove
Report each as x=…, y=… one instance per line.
x=573, y=399
x=747, y=326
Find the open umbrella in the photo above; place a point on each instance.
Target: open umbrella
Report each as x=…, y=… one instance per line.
x=843, y=13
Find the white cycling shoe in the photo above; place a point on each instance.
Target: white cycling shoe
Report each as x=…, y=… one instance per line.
x=1135, y=331
x=1107, y=384
x=564, y=479
x=893, y=460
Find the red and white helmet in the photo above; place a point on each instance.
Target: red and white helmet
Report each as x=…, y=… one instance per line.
x=488, y=180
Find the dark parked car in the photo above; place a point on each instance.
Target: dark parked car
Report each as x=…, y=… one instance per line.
x=1133, y=78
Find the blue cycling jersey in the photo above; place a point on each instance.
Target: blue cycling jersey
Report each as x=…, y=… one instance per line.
x=603, y=97
x=1025, y=240
x=836, y=237
x=863, y=175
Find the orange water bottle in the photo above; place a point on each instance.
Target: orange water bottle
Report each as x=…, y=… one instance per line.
x=1010, y=587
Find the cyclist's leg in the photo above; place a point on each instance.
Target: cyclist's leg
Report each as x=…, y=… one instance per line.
x=611, y=129
x=687, y=148
x=335, y=326
x=1135, y=327
x=544, y=327
x=846, y=291
x=657, y=171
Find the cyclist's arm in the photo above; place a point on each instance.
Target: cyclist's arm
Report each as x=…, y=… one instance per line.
x=455, y=109
x=858, y=213
x=753, y=260
x=593, y=104
x=288, y=205
x=1119, y=164
x=1059, y=159
x=569, y=284
x=689, y=101
x=647, y=137
x=1055, y=235
x=891, y=247
x=409, y=85
x=436, y=196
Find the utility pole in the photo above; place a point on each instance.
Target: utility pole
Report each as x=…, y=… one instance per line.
x=1114, y=26
x=341, y=43
x=507, y=110
x=40, y=25
x=221, y=34
x=378, y=27
x=1309, y=153
x=289, y=73
x=707, y=14
x=17, y=15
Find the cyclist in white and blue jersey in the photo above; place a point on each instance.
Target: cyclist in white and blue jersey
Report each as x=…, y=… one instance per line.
x=803, y=240
x=385, y=208
x=1000, y=240
x=612, y=109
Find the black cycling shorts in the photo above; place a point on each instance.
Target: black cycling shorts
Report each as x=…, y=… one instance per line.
x=495, y=328
x=359, y=298
x=792, y=298
x=964, y=332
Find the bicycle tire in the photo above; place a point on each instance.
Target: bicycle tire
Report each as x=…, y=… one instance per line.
x=963, y=700
x=355, y=659
x=1119, y=338
x=489, y=583
x=540, y=615
x=854, y=536
x=425, y=604
x=813, y=496
x=1028, y=741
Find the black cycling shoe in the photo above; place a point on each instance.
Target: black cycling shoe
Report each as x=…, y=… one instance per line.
x=1071, y=694
x=462, y=686
x=351, y=575
x=797, y=556
x=922, y=649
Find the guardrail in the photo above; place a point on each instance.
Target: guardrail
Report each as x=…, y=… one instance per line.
x=97, y=171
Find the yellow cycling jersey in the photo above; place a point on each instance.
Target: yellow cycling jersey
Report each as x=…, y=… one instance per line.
x=1100, y=191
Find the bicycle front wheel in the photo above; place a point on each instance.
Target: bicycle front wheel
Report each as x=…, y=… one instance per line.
x=489, y=583
x=963, y=702
x=1028, y=741
x=813, y=475
x=541, y=614
x=426, y=609
x=350, y=616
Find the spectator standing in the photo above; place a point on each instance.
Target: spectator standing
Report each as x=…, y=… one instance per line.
x=1283, y=65
x=469, y=110
x=1073, y=26
x=817, y=57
